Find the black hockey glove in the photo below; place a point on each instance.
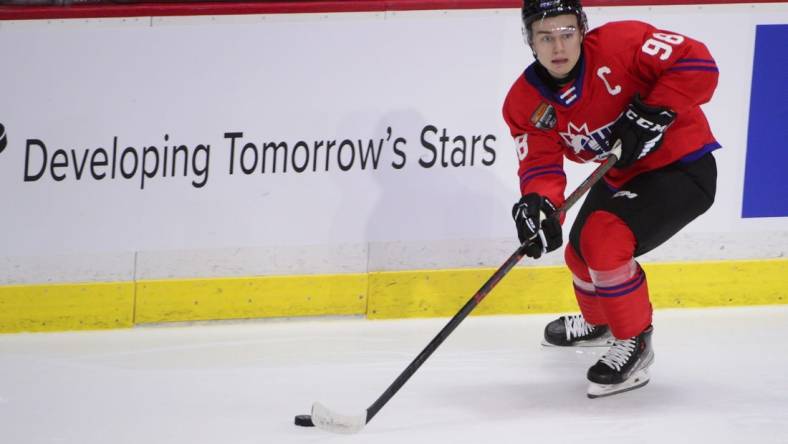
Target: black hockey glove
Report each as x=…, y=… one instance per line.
x=640, y=129
x=534, y=225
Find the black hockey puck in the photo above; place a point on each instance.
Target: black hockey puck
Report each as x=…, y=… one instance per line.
x=304, y=421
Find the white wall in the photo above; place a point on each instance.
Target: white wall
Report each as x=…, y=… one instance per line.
x=78, y=84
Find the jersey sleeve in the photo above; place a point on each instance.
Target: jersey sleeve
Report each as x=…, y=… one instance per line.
x=682, y=70
x=540, y=154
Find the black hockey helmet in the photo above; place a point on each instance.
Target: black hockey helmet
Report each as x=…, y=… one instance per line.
x=534, y=10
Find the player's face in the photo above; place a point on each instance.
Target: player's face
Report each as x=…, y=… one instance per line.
x=556, y=42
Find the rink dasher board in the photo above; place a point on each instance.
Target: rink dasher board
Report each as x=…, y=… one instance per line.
x=171, y=238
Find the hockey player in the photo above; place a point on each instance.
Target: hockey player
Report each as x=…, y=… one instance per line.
x=629, y=83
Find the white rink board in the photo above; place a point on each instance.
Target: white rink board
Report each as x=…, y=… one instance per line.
x=79, y=84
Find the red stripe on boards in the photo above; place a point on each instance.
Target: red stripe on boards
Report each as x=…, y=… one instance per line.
x=107, y=10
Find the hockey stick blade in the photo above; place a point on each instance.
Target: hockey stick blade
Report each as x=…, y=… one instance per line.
x=328, y=420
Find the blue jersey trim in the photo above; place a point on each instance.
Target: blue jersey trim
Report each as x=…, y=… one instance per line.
x=695, y=68
x=707, y=61
x=529, y=177
x=542, y=167
x=700, y=152
x=533, y=78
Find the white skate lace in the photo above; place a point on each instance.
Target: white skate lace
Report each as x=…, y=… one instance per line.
x=619, y=353
x=576, y=326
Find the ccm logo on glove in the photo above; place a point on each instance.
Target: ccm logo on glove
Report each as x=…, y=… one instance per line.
x=640, y=129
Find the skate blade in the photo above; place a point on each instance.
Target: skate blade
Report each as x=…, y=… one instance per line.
x=601, y=342
x=636, y=381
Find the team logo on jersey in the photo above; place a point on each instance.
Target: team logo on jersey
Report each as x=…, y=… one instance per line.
x=581, y=139
x=544, y=117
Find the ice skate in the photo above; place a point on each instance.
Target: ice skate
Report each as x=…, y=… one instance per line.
x=574, y=331
x=623, y=367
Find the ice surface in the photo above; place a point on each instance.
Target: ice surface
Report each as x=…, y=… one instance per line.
x=720, y=375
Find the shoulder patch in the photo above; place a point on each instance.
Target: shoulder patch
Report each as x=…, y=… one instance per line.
x=544, y=116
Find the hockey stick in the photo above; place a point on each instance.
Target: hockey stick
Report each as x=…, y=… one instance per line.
x=326, y=419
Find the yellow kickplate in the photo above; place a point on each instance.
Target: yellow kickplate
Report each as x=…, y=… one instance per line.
x=423, y=293
x=56, y=307
x=718, y=284
x=250, y=297
x=428, y=293
x=379, y=295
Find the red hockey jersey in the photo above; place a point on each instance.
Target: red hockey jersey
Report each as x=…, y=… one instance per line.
x=619, y=60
